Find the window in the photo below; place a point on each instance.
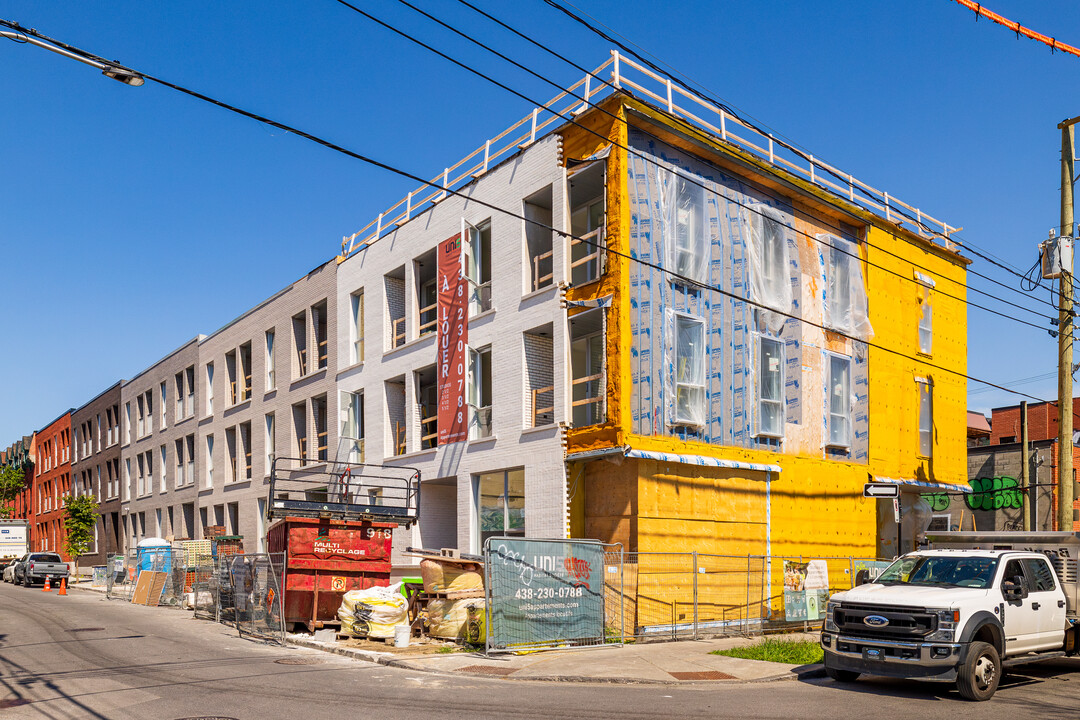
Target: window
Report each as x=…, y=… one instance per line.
x=394, y=285
x=230, y=368
x=926, y=328
x=179, y=382
x=209, y=388
x=189, y=455
x=770, y=387
x=245, y=445
x=230, y=448
x=926, y=422
x=770, y=281
x=539, y=377
x=164, y=465
x=245, y=371
x=356, y=327
x=838, y=297
x=271, y=379
x=538, y=240
x=299, y=332
x=164, y=396
x=689, y=247
x=427, y=402
x=477, y=266
x=839, y=389
x=149, y=471
x=319, y=330
x=178, y=448
x=352, y=425
x=140, y=483
x=689, y=371
x=500, y=504
x=270, y=442
x=209, y=461
x=587, y=220
x=141, y=410
x=300, y=445
x=845, y=295
x=127, y=423
x=149, y=412
x=109, y=427
x=587, y=368
x=1039, y=574
x=479, y=393
x=322, y=436
x=189, y=397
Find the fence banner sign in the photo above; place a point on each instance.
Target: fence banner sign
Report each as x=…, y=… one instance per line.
x=806, y=590
x=543, y=592
x=453, y=337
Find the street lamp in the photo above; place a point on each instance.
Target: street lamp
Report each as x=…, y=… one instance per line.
x=109, y=69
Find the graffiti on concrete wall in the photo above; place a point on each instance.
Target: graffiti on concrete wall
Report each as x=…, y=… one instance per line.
x=986, y=494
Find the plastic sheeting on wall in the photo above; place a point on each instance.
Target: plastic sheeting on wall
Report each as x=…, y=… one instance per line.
x=682, y=206
x=770, y=261
x=844, y=288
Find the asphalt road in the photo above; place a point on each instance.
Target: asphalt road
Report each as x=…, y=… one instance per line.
x=82, y=656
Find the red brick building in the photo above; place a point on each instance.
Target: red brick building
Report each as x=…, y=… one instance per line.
x=20, y=454
x=52, y=483
x=1042, y=425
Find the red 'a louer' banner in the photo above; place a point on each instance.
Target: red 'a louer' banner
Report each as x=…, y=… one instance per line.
x=453, y=337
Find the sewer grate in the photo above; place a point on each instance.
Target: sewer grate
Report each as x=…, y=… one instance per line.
x=299, y=661
x=487, y=670
x=702, y=675
x=86, y=629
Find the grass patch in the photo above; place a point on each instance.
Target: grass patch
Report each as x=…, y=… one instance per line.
x=792, y=652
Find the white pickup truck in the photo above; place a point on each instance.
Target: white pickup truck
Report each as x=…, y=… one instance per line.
x=964, y=611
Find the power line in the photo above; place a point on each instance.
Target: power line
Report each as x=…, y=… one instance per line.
x=719, y=103
x=700, y=133
x=592, y=243
x=693, y=181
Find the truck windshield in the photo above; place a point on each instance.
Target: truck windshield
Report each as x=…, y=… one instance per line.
x=972, y=572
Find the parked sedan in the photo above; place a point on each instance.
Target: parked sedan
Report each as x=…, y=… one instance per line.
x=9, y=569
x=16, y=569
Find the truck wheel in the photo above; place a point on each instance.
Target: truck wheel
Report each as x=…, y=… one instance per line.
x=844, y=676
x=978, y=677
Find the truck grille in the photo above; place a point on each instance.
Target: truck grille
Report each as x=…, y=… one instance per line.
x=905, y=623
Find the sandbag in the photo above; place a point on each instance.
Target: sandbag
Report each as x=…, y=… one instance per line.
x=450, y=577
x=463, y=620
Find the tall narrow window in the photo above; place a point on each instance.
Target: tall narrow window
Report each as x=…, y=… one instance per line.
x=926, y=328
x=500, y=504
x=270, y=442
x=299, y=332
x=245, y=449
x=230, y=449
x=127, y=423
x=179, y=382
x=479, y=393
x=178, y=451
x=149, y=411
x=770, y=387
x=300, y=440
x=164, y=399
x=141, y=410
x=271, y=378
x=319, y=332
x=322, y=435
x=587, y=368
x=352, y=425
x=189, y=397
x=164, y=464
x=244, y=355
x=689, y=370
x=839, y=389
x=587, y=221
x=189, y=455
x=770, y=280
x=231, y=371
x=209, y=461
x=209, y=388
x=536, y=210
x=356, y=327
x=477, y=266
x=690, y=250
x=926, y=417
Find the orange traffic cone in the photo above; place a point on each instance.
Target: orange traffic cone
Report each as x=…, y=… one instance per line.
x=63, y=586
x=46, y=587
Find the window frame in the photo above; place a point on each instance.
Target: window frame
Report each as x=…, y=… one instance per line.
x=778, y=401
x=681, y=318
x=690, y=259
x=926, y=412
x=847, y=414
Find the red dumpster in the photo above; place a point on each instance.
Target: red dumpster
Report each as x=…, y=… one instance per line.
x=324, y=559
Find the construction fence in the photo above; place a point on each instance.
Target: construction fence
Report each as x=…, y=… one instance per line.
x=243, y=590
x=674, y=596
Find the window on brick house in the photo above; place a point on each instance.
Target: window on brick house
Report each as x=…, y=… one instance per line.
x=319, y=328
x=271, y=375
x=300, y=353
x=244, y=356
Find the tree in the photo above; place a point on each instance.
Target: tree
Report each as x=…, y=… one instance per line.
x=11, y=484
x=81, y=514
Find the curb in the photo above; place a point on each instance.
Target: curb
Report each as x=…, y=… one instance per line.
x=387, y=659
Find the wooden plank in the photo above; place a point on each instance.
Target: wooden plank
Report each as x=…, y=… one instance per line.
x=157, y=586
x=142, y=588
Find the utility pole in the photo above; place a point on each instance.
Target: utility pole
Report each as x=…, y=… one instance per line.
x=1025, y=476
x=1065, y=336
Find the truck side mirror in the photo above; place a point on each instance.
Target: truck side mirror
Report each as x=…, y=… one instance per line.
x=1013, y=590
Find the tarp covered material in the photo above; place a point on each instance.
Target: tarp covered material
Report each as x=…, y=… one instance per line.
x=924, y=483
x=380, y=608
x=770, y=261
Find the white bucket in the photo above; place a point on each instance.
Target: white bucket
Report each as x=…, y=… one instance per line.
x=402, y=633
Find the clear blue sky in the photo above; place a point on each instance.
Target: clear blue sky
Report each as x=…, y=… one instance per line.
x=135, y=218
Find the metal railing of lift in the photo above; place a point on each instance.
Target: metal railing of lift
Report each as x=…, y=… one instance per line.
x=543, y=415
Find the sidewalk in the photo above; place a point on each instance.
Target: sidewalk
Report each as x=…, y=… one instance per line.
x=662, y=663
